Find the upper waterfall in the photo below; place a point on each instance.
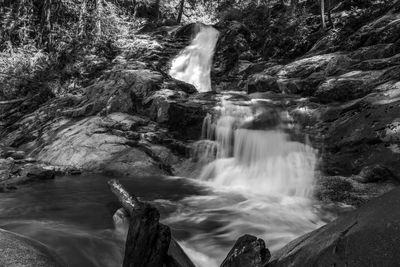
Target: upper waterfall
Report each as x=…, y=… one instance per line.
x=193, y=65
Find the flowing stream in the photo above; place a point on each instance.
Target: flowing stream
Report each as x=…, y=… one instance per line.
x=252, y=179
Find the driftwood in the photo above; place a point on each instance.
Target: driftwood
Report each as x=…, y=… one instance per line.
x=149, y=243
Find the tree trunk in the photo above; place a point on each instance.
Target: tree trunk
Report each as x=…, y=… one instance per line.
x=82, y=20
x=45, y=22
x=329, y=13
x=323, y=14
x=99, y=10
x=149, y=243
x=181, y=6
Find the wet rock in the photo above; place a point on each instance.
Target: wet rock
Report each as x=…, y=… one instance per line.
x=306, y=86
x=186, y=119
x=247, y=251
x=179, y=86
x=376, y=173
x=15, y=154
x=348, y=86
x=33, y=172
x=266, y=118
x=339, y=65
x=187, y=31
x=17, y=250
x=133, y=162
x=121, y=91
x=384, y=30
x=234, y=40
x=361, y=133
x=261, y=83
x=378, y=64
x=375, y=52
x=101, y=144
x=305, y=67
x=367, y=236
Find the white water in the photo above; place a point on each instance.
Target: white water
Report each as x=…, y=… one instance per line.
x=193, y=65
x=262, y=184
x=261, y=181
x=264, y=162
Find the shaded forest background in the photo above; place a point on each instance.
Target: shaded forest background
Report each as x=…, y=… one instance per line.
x=56, y=47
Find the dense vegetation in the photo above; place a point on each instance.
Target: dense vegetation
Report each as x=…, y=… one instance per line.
x=60, y=45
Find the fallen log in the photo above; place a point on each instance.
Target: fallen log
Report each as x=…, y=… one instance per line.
x=149, y=243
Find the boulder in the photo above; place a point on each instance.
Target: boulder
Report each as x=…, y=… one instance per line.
x=348, y=86
x=375, y=52
x=354, y=130
x=304, y=67
x=15, y=154
x=102, y=144
x=261, y=82
x=383, y=30
x=247, y=251
x=17, y=250
x=133, y=162
x=365, y=237
x=186, y=119
x=376, y=173
x=33, y=172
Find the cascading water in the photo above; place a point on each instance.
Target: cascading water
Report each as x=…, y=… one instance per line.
x=193, y=65
x=262, y=182
x=260, y=161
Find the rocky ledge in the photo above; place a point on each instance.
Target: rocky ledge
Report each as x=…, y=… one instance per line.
x=16, y=250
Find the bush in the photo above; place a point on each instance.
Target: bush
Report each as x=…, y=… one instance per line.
x=22, y=71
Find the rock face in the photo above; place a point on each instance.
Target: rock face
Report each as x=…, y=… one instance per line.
x=366, y=237
x=110, y=144
x=124, y=121
x=16, y=250
x=247, y=251
x=23, y=171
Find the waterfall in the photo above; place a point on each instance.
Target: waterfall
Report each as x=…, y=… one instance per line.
x=193, y=65
x=260, y=180
x=260, y=161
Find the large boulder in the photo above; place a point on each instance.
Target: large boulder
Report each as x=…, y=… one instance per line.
x=362, y=133
x=366, y=237
x=16, y=250
x=261, y=82
x=348, y=86
x=103, y=144
x=247, y=251
x=383, y=30
x=304, y=67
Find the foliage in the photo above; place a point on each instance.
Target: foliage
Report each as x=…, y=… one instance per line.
x=23, y=71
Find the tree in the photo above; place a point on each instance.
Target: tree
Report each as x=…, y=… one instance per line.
x=45, y=22
x=82, y=20
x=330, y=6
x=323, y=14
x=99, y=12
x=180, y=12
